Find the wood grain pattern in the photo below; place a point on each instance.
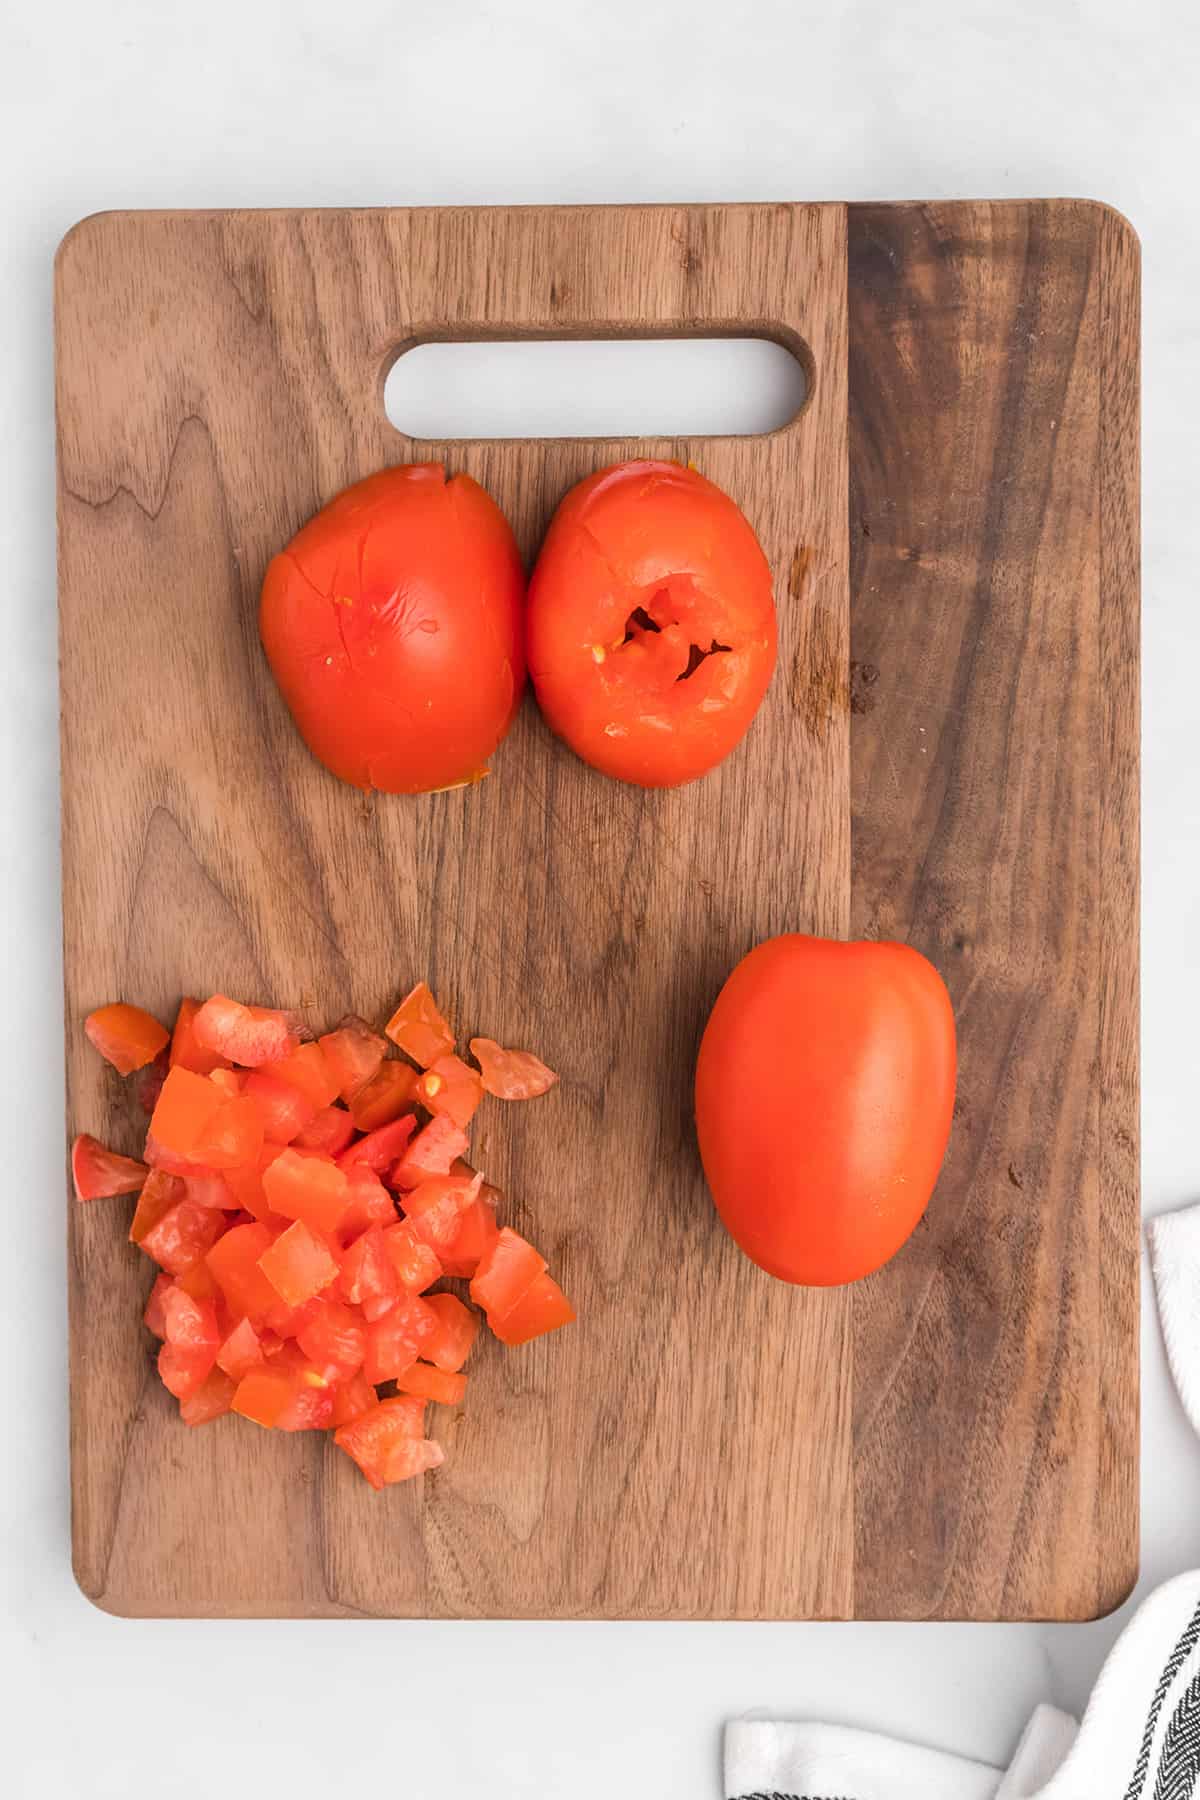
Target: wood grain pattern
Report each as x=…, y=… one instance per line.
x=219, y=377
x=706, y=1443
x=994, y=544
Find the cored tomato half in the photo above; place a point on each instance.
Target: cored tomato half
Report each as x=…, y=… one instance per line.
x=393, y=623
x=651, y=623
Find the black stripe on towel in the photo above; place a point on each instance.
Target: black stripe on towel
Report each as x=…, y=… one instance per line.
x=1179, y=1764
x=1175, y=1662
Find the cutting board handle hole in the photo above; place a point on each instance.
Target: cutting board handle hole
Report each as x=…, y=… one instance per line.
x=596, y=387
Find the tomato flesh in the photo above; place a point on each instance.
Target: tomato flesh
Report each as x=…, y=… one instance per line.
x=432, y=1384
x=186, y=1049
x=432, y=1152
x=397, y=1339
x=416, y=1264
x=449, y=1087
x=367, y=1276
x=387, y=1442
x=507, y=1269
x=652, y=631
x=511, y=1074
x=126, y=1036
x=352, y=1055
x=542, y=1307
x=285, y=1109
x=455, y=1329
x=299, y=1264
x=419, y=1028
x=330, y=1130
x=249, y=1035
x=308, y=1187
x=378, y=1150
x=384, y=1097
x=98, y=1173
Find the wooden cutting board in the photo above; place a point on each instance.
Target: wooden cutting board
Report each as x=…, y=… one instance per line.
x=948, y=755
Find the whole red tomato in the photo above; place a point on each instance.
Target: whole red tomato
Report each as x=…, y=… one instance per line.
x=651, y=623
x=393, y=623
x=824, y=1091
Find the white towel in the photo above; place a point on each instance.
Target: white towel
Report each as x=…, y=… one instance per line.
x=1175, y=1260
x=1139, y=1740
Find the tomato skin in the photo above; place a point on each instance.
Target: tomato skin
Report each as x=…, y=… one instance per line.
x=393, y=624
x=660, y=538
x=511, y=1074
x=824, y=1095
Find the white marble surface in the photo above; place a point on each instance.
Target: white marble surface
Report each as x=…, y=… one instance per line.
x=138, y=103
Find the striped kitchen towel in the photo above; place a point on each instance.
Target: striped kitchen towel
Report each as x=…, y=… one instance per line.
x=1139, y=1740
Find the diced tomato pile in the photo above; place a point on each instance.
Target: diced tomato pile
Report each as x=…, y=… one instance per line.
x=301, y=1198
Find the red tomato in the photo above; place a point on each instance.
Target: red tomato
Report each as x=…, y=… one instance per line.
x=125, y=1036
x=393, y=623
x=416, y=1264
x=249, y=1035
x=824, y=1092
x=241, y=1351
x=386, y=1442
x=330, y=1130
x=384, y=1097
x=542, y=1307
x=186, y=1048
x=449, y=1087
x=285, y=1109
x=419, y=1028
x=334, y=1338
x=368, y=1203
x=98, y=1172
x=312, y=1188
x=368, y=1274
x=432, y=1384
x=651, y=623
x=455, y=1331
x=183, y=1234
x=298, y=1265
x=431, y=1153
x=351, y=1399
x=381, y=1147
x=352, y=1055
x=211, y=1400
x=307, y=1069
x=396, y=1340
x=511, y=1074
x=508, y=1267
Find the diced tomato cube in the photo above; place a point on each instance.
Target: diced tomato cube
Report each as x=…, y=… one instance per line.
x=206, y=1187
x=248, y=1035
x=477, y=1232
x=508, y=1267
x=436, y=1208
x=385, y=1096
x=232, y=1136
x=183, y=1234
x=397, y=1339
x=542, y=1307
x=307, y=1069
x=233, y=1263
x=334, y=1338
x=352, y=1055
x=185, y=1109
x=160, y=1193
x=228, y=1082
x=191, y=1342
x=431, y=1153
x=298, y=1265
x=368, y=1202
x=330, y=1130
x=186, y=1049
x=241, y=1351
x=380, y=1149
x=419, y=1029
x=99, y=1172
x=198, y=1282
x=351, y=1399
x=368, y=1277
x=167, y=1160
x=154, y=1318
x=211, y=1400
x=245, y=1182
x=285, y=1110
x=309, y=1409
x=308, y=1187
x=448, y=1086
x=511, y=1074
x=264, y=1394
x=126, y=1036
x=432, y=1384
x=455, y=1331
x=387, y=1444
x=416, y=1264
